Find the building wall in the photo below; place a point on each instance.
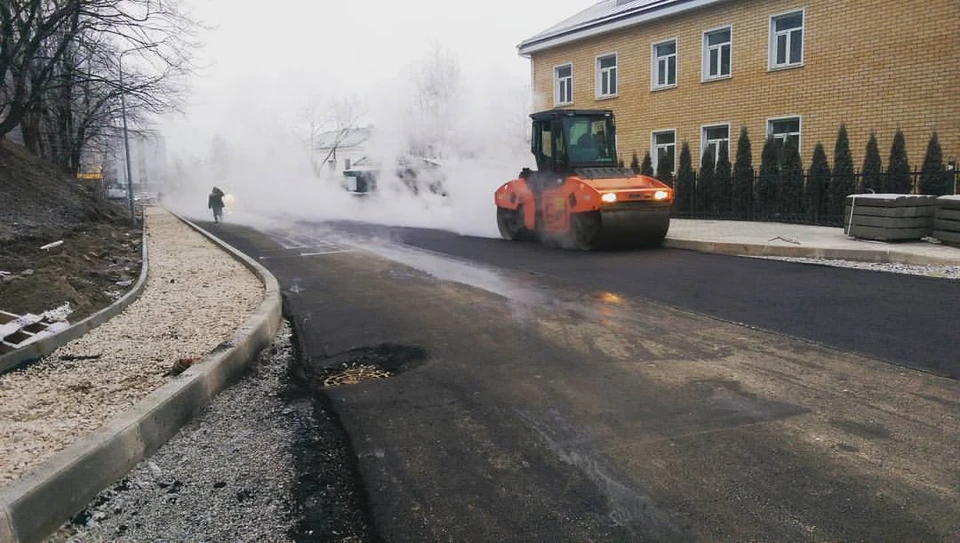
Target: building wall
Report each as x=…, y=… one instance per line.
x=872, y=64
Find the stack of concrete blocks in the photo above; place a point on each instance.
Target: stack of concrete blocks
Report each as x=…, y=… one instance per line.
x=889, y=217
x=946, y=223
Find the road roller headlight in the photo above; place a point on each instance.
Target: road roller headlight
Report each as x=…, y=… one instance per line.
x=609, y=197
x=661, y=195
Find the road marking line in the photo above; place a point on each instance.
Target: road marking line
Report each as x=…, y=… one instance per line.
x=332, y=252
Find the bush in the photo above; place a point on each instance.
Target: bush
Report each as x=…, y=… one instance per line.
x=665, y=172
x=842, y=180
x=705, y=199
x=817, y=181
x=768, y=184
x=742, y=190
x=647, y=167
x=898, y=169
x=635, y=163
x=686, y=179
x=933, y=176
x=791, y=180
x=872, y=180
x=722, y=182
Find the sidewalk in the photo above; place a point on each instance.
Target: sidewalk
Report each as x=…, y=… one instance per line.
x=802, y=241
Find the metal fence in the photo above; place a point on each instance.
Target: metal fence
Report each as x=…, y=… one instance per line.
x=701, y=202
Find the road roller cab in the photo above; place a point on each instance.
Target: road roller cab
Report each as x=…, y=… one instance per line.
x=579, y=195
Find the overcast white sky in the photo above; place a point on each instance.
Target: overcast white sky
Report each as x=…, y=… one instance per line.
x=263, y=59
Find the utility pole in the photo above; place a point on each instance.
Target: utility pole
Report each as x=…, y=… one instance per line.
x=126, y=139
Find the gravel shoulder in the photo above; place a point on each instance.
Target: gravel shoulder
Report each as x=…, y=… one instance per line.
x=196, y=296
x=266, y=461
x=940, y=272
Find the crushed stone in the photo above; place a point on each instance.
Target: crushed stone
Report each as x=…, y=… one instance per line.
x=940, y=272
x=227, y=476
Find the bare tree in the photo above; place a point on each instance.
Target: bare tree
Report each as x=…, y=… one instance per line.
x=61, y=63
x=437, y=91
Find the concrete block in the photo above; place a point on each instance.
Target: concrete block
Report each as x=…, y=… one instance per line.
x=947, y=214
x=889, y=234
x=893, y=212
x=890, y=200
x=946, y=226
x=948, y=202
x=893, y=222
x=950, y=238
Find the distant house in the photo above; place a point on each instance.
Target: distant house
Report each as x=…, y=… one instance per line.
x=339, y=150
x=699, y=70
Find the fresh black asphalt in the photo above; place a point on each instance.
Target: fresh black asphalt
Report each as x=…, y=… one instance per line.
x=908, y=320
x=590, y=419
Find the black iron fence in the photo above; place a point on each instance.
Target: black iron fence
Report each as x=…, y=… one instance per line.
x=774, y=198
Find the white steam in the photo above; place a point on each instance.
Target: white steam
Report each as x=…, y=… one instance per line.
x=474, y=124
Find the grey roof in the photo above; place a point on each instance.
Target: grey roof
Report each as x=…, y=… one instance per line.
x=351, y=137
x=601, y=13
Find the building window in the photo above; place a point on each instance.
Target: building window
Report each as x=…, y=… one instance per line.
x=664, y=144
x=717, y=51
x=563, y=85
x=715, y=138
x=784, y=129
x=664, y=64
x=606, y=76
x=786, y=40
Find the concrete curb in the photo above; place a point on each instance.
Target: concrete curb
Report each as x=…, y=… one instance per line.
x=37, y=504
x=47, y=345
x=881, y=255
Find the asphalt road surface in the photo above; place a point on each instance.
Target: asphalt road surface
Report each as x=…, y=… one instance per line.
x=548, y=395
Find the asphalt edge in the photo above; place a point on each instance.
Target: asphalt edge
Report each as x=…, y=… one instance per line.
x=45, y=346
x=43, y=499
x=879, y=255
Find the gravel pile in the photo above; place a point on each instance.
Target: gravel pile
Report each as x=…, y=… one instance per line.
x=196, y=296
x=943, y=272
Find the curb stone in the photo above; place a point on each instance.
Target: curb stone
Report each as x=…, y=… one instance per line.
x=34, y=506
x=47, y=345
x=885, y=256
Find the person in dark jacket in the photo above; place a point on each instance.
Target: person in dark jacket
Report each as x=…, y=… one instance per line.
x=215, y=202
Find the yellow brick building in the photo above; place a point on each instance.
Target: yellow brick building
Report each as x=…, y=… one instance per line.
x=699, y=70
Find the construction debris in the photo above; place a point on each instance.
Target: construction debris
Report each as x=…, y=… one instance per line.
x=52, y=245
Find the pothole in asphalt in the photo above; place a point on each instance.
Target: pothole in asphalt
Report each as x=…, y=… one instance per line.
x=367, y=364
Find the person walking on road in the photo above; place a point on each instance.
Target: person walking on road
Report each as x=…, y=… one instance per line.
x=215, y=202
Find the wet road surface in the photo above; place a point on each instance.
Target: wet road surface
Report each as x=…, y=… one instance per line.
x=550, y=408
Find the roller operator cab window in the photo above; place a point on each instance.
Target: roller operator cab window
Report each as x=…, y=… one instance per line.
x=590, y=141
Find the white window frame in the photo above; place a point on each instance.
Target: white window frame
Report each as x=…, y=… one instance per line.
x=655, y=149
x=703, y=141
x=654, y=64
x=599, y=73
x=556, y=85
x=769, y=128
x=772, y=40
x=705, y=55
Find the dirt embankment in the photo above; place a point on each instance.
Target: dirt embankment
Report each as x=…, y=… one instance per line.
x=40, y=205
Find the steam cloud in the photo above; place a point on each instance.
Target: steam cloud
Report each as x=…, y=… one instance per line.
x=475, y=124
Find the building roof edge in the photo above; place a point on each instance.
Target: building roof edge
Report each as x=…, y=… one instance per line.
x=603, y=25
